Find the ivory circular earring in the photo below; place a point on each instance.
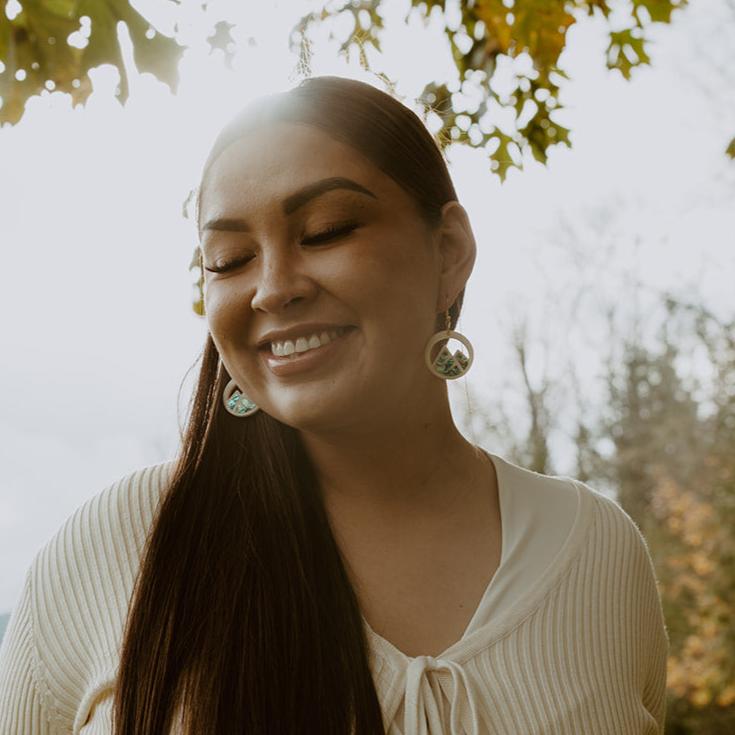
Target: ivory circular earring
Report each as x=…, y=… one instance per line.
x=446, y=365
x=238, y=404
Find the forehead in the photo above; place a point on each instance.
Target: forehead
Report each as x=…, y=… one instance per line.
x=262, y=167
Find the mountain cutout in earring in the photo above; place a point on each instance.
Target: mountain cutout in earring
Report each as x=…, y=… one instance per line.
x=451, y=365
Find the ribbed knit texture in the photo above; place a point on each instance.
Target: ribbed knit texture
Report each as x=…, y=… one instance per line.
x=582, y=653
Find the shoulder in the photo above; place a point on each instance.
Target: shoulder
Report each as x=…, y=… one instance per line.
x=611, y=528
x=535, y=487
x=99, y=546
x=102, y=540
x=615, y=529
x=623, y=558
x=81, y=580
x=612, y=538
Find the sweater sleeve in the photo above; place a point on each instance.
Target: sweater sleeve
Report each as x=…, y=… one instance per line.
x=61, y=649
x=21, y=709
x=646, y=624
x=657, y=640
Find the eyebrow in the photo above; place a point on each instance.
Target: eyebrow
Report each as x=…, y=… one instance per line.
x=291, y=203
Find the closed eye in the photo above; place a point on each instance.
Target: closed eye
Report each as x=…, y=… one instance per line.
x=228, y=265
x=330, y=233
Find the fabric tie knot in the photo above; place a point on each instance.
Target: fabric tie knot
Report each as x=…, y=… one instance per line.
x=424, y=703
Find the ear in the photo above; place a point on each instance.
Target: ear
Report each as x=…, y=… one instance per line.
x=457, y=250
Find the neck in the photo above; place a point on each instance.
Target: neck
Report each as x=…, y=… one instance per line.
x=417, y=465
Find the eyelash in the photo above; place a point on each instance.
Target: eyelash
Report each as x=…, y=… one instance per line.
x=324, y=236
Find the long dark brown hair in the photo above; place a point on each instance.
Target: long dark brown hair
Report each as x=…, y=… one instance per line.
x=243, y=617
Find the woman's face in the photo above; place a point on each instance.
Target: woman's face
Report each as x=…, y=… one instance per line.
x=265, y=208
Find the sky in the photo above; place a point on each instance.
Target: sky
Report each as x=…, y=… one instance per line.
x=97, y=327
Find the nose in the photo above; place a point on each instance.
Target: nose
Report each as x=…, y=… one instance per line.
x=281, y=280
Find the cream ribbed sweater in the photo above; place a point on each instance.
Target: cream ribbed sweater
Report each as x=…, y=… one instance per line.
x=569, y=638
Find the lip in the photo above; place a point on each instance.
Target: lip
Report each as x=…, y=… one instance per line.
x=309, y=360
x=292, y=333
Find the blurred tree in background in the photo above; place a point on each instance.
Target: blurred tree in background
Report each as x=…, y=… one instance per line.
x=674, y=467
x=665, y=443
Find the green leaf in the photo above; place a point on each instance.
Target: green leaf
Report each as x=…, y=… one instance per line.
x=158, y=55
x=62, y=8
x=501, y=155
x=620, y=42
x=36, y=41
x=659, y=10
x=103, y=46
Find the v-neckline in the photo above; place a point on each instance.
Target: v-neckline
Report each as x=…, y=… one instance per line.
x=383, y=642
x=470, y=643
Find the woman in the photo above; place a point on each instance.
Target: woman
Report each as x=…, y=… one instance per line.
x=328, y=554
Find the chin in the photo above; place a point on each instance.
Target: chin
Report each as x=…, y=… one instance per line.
x=319, y=419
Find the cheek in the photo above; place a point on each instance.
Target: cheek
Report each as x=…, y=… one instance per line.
x=407, y=271
x=389, y=263
x=227, y=321
x=396, y=286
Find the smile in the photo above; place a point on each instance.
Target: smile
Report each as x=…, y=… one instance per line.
x=302, y=344
x=309, y=359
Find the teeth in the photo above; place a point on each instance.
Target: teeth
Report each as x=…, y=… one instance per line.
x=302, y=344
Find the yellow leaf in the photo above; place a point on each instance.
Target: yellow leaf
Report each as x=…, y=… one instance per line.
x=701, y=698
x=727, y=696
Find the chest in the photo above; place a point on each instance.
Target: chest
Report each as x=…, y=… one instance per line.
x=421, y=593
